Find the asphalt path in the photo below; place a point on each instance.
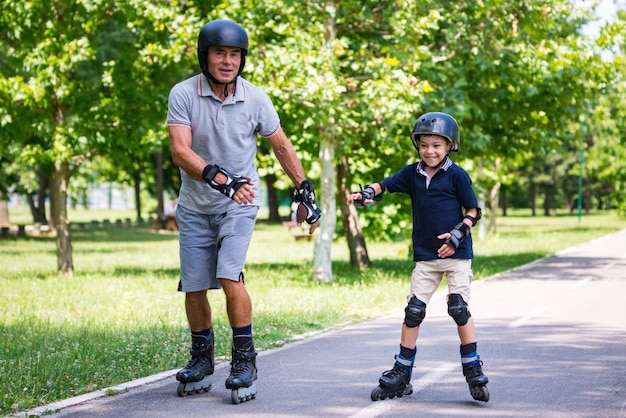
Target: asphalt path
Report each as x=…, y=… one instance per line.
x=552, y=335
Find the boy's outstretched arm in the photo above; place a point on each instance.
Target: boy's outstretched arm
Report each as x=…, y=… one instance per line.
x=368, y=195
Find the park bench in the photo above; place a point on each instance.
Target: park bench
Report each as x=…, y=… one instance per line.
x=298, y=232
x=165, y=222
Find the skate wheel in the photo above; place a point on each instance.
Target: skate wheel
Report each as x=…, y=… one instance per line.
x=181, y=390
x=408, y=390
x=206, y=389
x=234, y=396
x=376, y=393
x=480, y=393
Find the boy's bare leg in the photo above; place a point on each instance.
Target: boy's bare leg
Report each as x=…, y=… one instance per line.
x=467, y=332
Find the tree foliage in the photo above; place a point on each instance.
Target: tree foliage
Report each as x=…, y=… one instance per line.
x=85, y=78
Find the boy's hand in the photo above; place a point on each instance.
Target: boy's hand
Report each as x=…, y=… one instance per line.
x=366, y=196
x=446, y=250
x=453, y=239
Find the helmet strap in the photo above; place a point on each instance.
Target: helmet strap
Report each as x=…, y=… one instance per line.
x=210, y=77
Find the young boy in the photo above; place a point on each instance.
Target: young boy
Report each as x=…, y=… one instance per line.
x=444, y=209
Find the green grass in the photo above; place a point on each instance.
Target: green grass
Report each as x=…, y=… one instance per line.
x=120, y=318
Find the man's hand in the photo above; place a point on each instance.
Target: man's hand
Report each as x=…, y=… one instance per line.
x=306, y=209
x=234, y=186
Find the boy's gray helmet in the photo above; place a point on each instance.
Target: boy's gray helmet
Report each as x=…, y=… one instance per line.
x=436, y=123
x=222, y=33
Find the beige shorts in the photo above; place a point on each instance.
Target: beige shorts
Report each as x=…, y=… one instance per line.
x=427, y=276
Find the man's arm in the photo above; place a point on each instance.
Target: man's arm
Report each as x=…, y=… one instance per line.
x=286, y=155
x=182, y=154
x=289, y=161
x=187, y=159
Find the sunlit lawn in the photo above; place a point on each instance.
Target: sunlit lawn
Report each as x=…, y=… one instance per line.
x=120, y=318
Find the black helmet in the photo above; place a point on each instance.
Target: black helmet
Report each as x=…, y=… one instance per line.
x=222, y=33
x=436, y=123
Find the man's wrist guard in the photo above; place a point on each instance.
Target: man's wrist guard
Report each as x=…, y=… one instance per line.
x=367, y=193
x=233, y=181
x=476, y=219
x=458, y=235
x=306, y=210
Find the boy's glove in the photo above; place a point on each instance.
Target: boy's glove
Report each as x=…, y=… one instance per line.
x=367, y=193
x=458, y=235
x=233, y=181
x=306, y=209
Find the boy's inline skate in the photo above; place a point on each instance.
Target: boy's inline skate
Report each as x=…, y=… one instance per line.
x=395, y=382
x=243, y=371
x=196, y=375
x=473, y=372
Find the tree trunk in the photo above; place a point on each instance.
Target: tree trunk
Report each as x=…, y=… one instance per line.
x=37, y=203
x=322, y=263
x=272, y=198
x=58, y=212
x=567, y=202
x=549, y=207
x=350, y=220
x=4, y=212
x=493, y=206
x=533, y=198
x=482, y=230
x=494, y=199
x=159, y=181
x=137, y=187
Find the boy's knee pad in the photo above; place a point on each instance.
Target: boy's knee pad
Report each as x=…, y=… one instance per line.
x=414, y=313
x=457, y=309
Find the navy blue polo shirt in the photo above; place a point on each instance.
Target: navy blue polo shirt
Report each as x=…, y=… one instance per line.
x=437, y=207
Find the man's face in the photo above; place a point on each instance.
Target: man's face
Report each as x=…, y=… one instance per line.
x=223, y=62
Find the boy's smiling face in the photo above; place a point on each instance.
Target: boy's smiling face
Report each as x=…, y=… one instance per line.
x=433, y=149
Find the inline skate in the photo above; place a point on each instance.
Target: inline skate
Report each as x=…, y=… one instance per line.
x=196, y=375
x=395, y=382
x=243, y=371
x=476, y=380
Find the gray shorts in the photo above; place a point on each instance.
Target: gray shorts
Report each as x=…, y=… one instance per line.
x=213, y=247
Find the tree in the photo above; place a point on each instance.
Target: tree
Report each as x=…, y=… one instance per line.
x=69, y=82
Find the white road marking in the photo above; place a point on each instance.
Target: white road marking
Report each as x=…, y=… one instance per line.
x=380, y=407
x=530, y=315
x=580, y=283
x=608, y=266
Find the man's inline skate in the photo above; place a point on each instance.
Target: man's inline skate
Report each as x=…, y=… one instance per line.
x=196, y=375
x=473, y=372
x=243, y=371
x=395, y=382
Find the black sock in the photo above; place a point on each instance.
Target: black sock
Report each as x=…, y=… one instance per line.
x=242, y=331
x=205, y=333
x=407, y=352
x=468, y=348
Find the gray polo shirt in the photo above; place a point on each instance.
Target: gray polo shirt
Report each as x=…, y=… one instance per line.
x=223, y=133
